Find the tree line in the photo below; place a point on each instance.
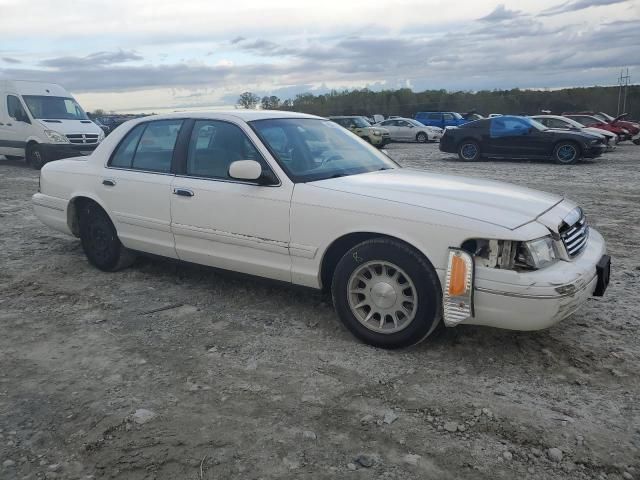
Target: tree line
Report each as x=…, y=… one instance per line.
x=405, y=102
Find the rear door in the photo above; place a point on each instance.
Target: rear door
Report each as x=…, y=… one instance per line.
x=136, y=186
x=405, y=130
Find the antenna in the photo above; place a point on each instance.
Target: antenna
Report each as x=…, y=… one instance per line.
x=623, y=81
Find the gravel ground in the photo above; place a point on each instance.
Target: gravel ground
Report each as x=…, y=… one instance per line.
x=174, y=371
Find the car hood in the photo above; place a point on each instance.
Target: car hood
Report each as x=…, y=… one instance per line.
x=71, y=126
x=498, y=203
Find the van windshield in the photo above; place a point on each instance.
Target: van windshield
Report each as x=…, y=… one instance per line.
x=55, y=108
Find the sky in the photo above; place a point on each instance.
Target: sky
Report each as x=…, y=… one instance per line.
x=157, y=55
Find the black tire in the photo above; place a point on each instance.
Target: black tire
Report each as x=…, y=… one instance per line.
x=34, y=156
x=636, y=141
x=566, y=153
x=100, y=240
x=13, y=157
x=422, y=137
x=469, y=151
x=421, y=275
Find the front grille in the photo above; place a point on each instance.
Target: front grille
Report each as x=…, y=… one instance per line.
x=83, y=138
x=575, y=233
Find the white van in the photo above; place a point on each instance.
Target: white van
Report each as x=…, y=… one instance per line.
x=42, y=122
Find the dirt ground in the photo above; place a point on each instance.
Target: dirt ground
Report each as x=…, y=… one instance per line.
x=173, y=371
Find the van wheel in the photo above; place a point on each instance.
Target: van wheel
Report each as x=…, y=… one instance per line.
x=100, y=240
x=35, y=157
x=566, y=153
x=386, y=293
x=422, y=138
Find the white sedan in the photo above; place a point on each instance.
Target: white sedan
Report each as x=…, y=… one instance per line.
x=410, y=130
x=297, y=198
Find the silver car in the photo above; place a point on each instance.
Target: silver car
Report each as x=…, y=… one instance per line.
x=410, y=130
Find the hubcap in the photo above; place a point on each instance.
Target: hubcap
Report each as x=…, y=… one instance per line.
x=469, y=151
x=382, y=297
x=566, y=153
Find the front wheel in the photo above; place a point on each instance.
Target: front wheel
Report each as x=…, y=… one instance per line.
x=100, y=240
x=469, y=151
x=386, y=294
x=566, y=153
x=422, y=138
x=637, y=141
x=34, y=156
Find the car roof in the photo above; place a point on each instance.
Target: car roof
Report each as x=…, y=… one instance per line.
x=245, y=115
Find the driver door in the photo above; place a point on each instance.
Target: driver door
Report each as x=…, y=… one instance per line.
x=15, y=127
x=513, y=137
x=227, y=223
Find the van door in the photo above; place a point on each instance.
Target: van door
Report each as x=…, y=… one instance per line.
x=15, y=126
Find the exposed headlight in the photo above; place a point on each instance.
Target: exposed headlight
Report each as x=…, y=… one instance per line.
x=513, y=255
x=100, y=136
x=377, y=132
x=56, y=137
x=537, y=253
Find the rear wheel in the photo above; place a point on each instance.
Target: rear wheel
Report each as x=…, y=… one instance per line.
x=469, y=151
x=100, y=240
x=34, y=156
x=386, y=293
x=566, y=153
x=422, y=137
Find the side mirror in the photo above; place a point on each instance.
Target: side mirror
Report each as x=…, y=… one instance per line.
x=245, y=170
x=251, y=170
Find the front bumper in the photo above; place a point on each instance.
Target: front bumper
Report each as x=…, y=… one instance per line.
x=53, y=151
x=538, y=299
x=380, y=140
x=594, y=151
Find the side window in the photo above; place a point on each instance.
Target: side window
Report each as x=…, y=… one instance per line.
x=148, y=146
x=15, y=108
x=435, y=116
x=155, y=148
x=214, y=145
x=123, y=156
x=508, y=127
x=448, y=116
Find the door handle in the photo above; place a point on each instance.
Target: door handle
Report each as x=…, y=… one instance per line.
x=109, y=182
x=183, y=192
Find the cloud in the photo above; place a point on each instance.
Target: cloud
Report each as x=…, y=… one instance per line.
x=237, y=39
x=11, y=60
x=575, y=5
x=93, y=60
x=500, y=13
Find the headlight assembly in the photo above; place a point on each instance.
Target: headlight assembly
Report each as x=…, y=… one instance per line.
x=55, y=137
x=513, y=255
x=536, y=254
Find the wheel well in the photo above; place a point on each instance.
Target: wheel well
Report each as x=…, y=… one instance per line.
x=29, y=143
x=467, y=139
x=342, y=245
x=73, y=212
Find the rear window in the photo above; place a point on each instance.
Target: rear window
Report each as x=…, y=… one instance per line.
x=149, y=147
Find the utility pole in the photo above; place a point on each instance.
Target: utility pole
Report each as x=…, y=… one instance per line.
x=623, y=82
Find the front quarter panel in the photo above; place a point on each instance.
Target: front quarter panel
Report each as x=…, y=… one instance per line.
x=320, y=216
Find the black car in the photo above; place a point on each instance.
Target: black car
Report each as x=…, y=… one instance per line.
x=519, y=137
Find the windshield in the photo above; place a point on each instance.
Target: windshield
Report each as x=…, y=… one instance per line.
x=415, y=123
x=601, y=117
x=456, y=115
x=55, y=108
x=586, y=121
x=310, y=149
x=609, y=118
x=534, y=123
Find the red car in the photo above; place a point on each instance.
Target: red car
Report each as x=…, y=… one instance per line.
x=591, y=121
x=632, y=128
